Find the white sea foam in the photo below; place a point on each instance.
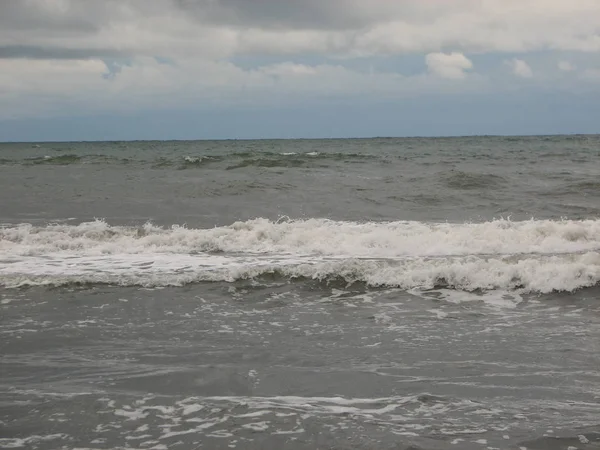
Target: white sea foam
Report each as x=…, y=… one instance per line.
x=196, y=159
x=535, y=255
x=314, y=236
x=31, y=441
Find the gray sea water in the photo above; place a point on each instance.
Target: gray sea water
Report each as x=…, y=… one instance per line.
x=301, y=294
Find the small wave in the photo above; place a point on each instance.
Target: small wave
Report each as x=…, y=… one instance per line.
x=419, y=199
x=196, y=161
x=586, y=187
x=68, y=159
x=535, y=255
x=293, y=159
x=269, y=162
x=57, y=160
x=472, y=181
x=237, y=160
x=159, y=163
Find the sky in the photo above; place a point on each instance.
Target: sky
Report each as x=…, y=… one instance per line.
x=234, y=69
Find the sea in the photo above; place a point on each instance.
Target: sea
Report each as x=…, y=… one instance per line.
x=414, y=293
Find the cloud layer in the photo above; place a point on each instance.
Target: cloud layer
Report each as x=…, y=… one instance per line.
x=118, y=54
x=213, y=28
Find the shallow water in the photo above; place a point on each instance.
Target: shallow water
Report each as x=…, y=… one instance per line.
x=298, y=365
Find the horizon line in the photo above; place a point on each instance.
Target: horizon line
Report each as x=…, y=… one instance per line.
x=303, y=138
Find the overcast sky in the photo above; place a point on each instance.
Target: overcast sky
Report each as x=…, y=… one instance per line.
x=185, y=69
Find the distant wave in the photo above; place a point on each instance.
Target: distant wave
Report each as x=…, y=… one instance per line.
x=238, y=160
x=293, y=159
x=58, y=160
x=64, y=160
x=533, y=256
x=197, y=161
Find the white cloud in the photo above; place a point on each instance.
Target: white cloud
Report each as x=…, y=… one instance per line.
x=566, y=66
x=520, y=68
x=288, y=68
x=452, y=65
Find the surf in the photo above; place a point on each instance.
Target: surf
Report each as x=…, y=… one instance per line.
x=530, y=256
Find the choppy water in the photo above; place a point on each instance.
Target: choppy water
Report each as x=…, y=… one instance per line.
x=381, y=293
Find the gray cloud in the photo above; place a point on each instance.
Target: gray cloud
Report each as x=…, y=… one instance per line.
x=314, y=14
x=273, y=14
x=216, y=29
x=47, y=17
x=36, y=52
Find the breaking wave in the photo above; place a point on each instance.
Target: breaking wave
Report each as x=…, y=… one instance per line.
x=532, y=256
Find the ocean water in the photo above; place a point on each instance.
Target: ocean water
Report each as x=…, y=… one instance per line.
x=301, y=294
